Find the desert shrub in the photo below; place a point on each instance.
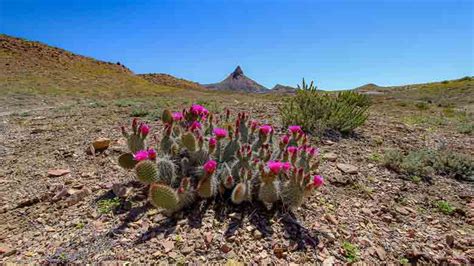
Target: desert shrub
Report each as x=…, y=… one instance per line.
x=422, y=106
x=317, y=111
x=465, y=128
x=444, y=207
x=139, y=112
x=454, y=165
x=423, y=163
x=351, y=252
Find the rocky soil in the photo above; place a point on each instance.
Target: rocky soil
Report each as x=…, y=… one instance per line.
x=58, y=199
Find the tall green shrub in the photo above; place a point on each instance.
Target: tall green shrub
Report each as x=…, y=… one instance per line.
x=317, y=111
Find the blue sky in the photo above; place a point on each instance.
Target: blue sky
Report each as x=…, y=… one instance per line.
x=339, y=44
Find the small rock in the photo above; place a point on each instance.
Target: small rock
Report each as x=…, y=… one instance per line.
x=101, y=144
x=381, y=253
x=330, y=218
x=236, y=216
x=347, y=168
x=225, y=248
x=450, y=240
x=208, y=238
x=119, y=190
x=279, y=251
x=402, y=210
x=186, y=250
x=61, y=194
x=168, y=245
x=58, y=172
x=257, y=234
x=77, y=195
x=329, y=261
x=6, y=251
x=330, y=156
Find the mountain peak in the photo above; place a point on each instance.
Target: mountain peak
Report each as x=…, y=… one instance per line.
x=237, y=72
x=237, y=81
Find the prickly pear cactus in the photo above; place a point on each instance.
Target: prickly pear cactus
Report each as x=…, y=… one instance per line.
x=202, y=155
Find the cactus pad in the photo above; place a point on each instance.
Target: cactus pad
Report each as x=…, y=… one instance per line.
x=146, y=171
x=126, y=161
x=162, y=196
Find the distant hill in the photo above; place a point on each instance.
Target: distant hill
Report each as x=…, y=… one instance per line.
x=283, y=89
x=27, y=66
x=168, y=80
x=237, y=81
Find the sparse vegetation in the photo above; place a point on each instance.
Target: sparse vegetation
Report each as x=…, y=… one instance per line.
x=108, y=205
x=445, y=207
x=139, y=112
x=423, y=163
x=317, y=111
x=351, y=251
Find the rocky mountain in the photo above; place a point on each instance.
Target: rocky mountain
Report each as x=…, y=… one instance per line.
x=237, y=81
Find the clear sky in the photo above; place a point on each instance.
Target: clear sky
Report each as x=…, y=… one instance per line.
x=339, y=44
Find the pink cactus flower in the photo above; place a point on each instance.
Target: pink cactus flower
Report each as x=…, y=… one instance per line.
x=295, y=129
x=195, y=125
x=292, y=149
x=177, y=116
x=199, y=110
x=274, y=166
x=212, y=142
x=220, y=133
x=318, y=180
x=144, y=129
x=210, y=166
x=286, y=166
x=312, y=151
x=265, y=129
x=285, y=139
x=151, y=154
x=253, y=124
x=140, y=155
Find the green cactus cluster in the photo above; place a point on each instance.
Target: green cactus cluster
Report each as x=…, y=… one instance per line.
x=206, y=156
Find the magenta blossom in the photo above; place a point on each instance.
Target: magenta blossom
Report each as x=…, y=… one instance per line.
x=177, y=116
x=253, y=124
x=295, y=129
x=265, y=129
x=195, y=125
x=210, y=166
x=144, y=129
x=140, y=155
x=274, y=166
x=212, y=142
x=286, y=166
x=151, y=154
x=199, y=110
x=318, y=181
x=292, y=149
x=220, y=133
x=285, y=139
x=312, y=151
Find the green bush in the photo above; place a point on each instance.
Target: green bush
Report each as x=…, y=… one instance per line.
x=445, y=207
x=422, y=163
x=351, y=252
x=317, y=111
x=139, y=112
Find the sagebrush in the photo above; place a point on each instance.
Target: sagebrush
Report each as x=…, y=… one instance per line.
x=426, y=162
x=317, y=111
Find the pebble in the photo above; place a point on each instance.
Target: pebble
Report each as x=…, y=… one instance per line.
x=347, y=168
